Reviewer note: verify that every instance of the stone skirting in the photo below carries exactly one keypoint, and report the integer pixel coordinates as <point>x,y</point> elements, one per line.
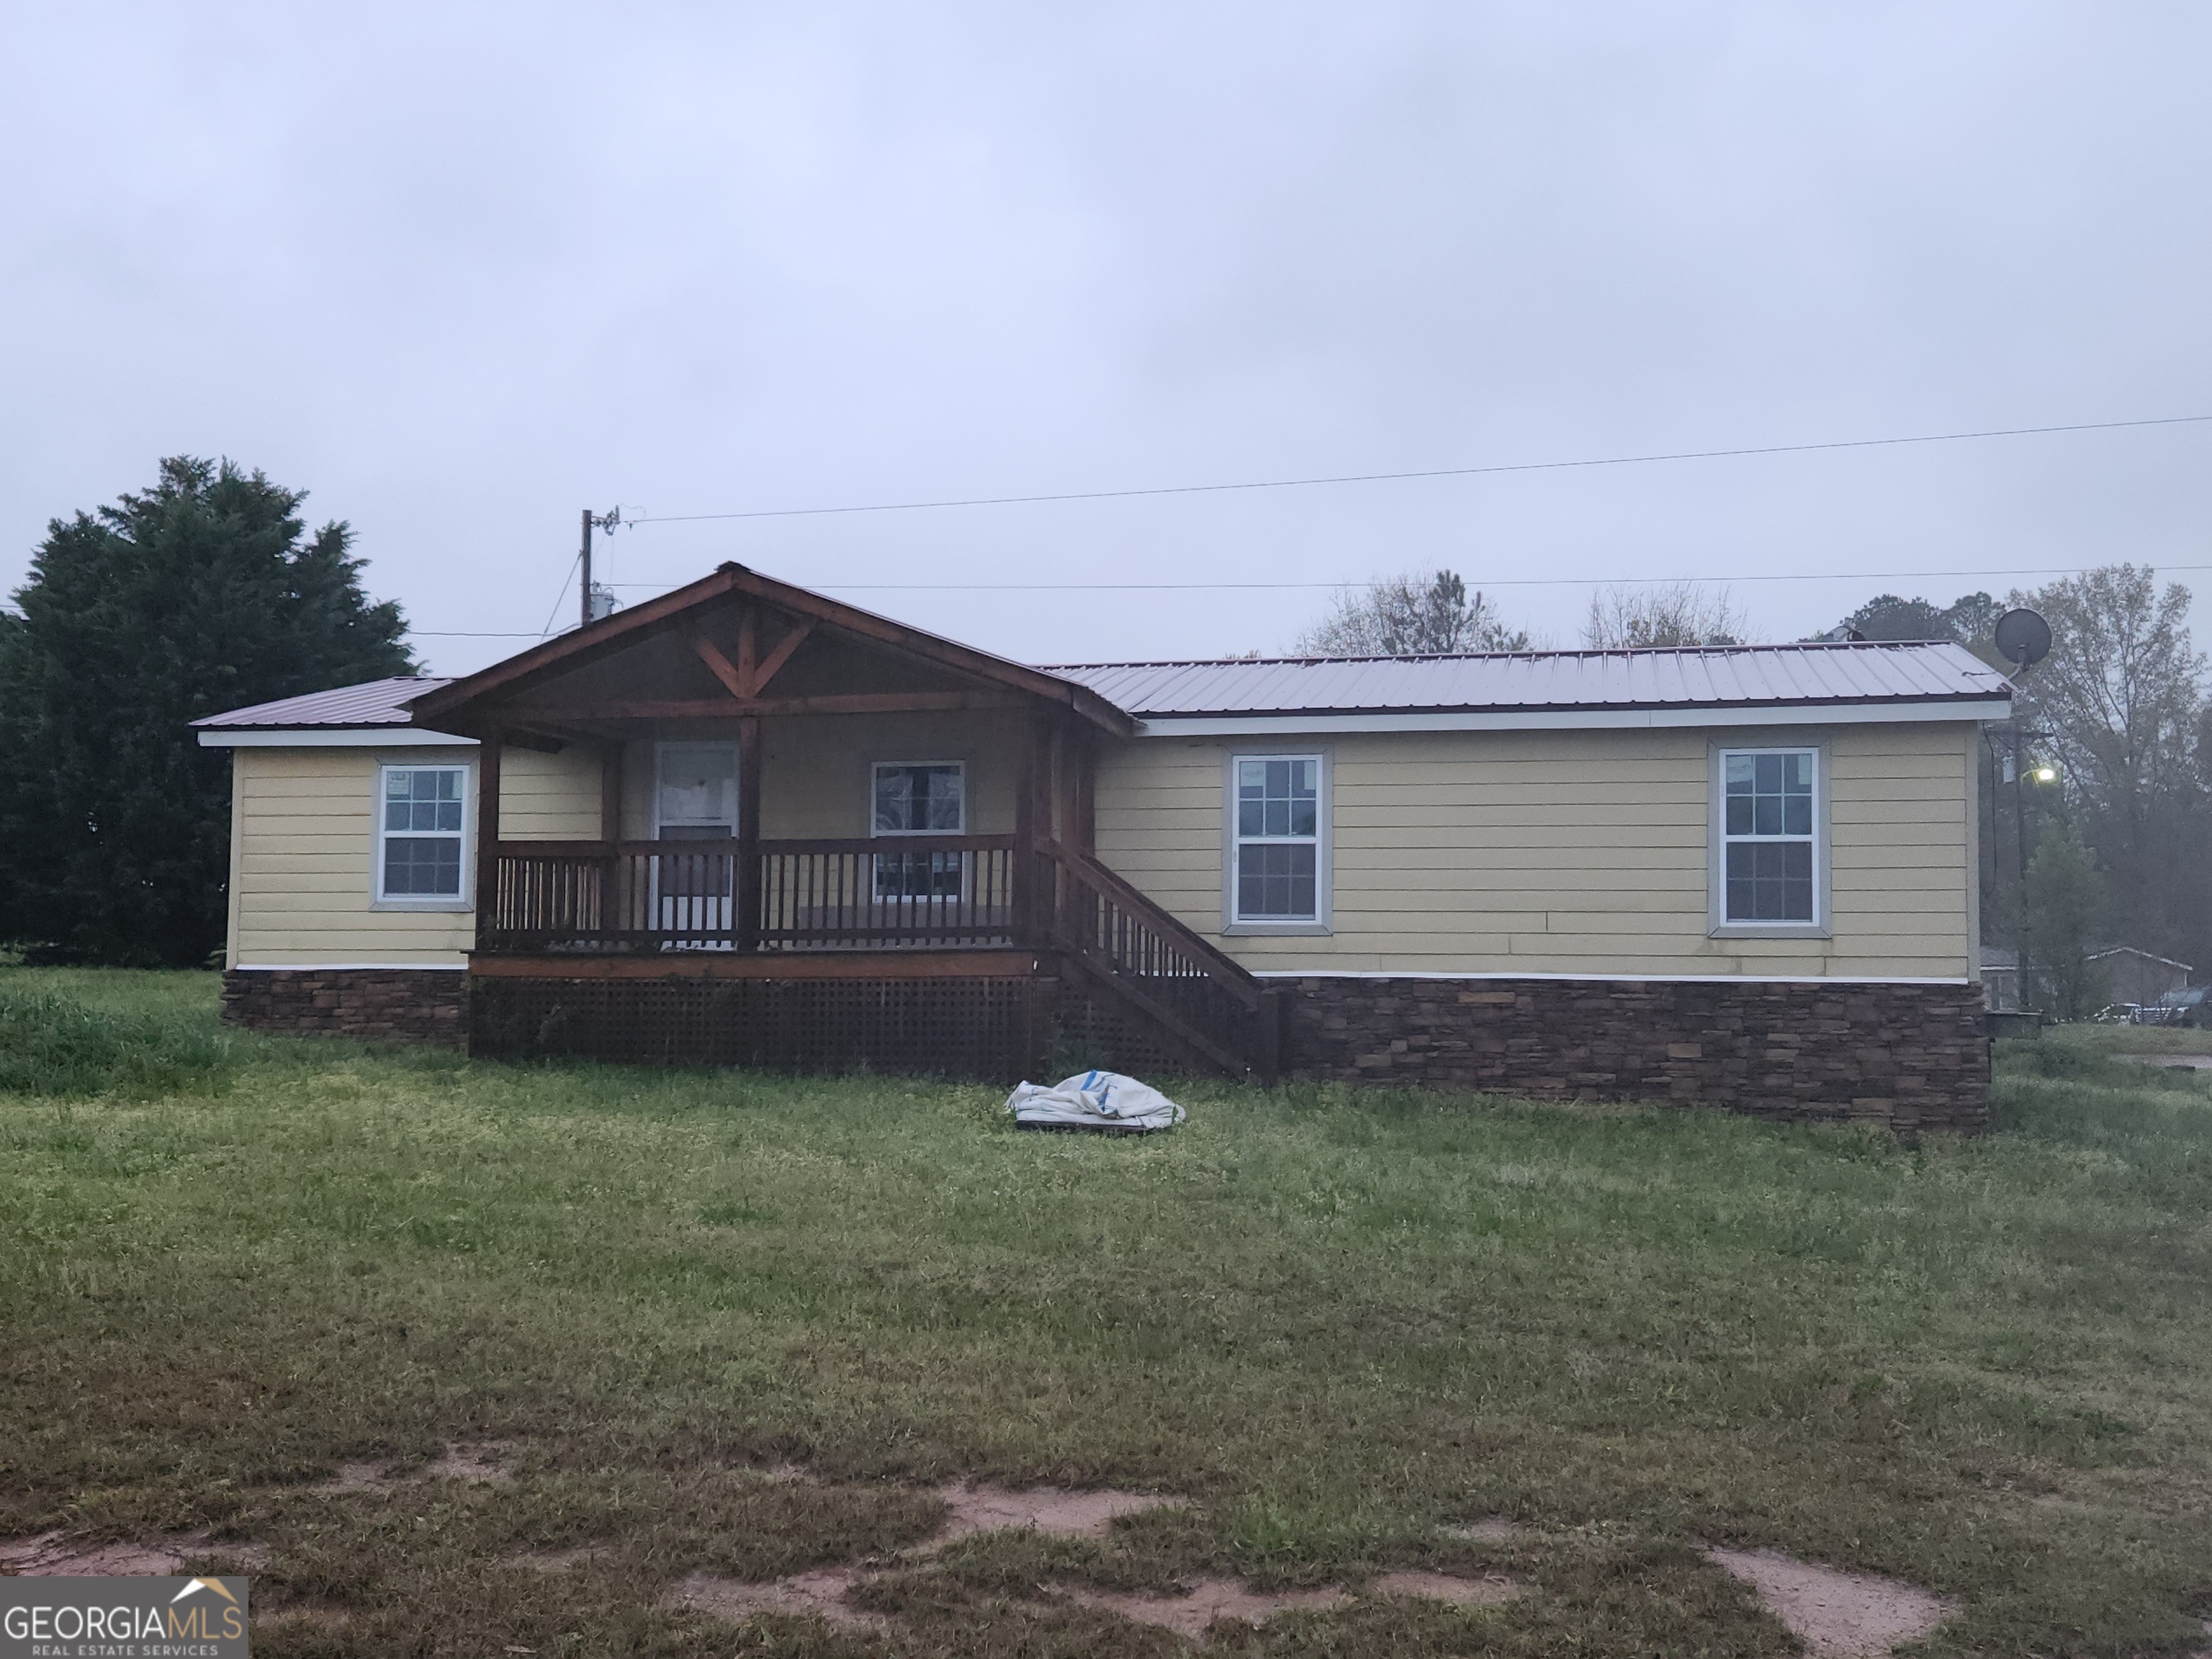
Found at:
<point>1908,1056</point>
<point>415,1004</point>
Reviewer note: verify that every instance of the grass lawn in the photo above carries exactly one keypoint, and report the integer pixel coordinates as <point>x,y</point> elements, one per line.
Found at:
<point>1331,1321</point>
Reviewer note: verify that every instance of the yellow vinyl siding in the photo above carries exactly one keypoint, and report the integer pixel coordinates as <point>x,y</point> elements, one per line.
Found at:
<point>816,771</point>
<point>550,797</point>
<point>1549,852</point>
<point>303,861</point>
<point>303,850</point>
<point>1567,852</point>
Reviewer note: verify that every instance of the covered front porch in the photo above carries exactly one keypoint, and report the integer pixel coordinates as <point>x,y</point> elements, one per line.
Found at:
<point>884,831</point>
<point>781,828</point>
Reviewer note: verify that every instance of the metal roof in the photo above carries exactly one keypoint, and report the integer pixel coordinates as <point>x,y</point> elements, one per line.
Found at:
<point>1699,676</point>
<point>1720,678</point>
<point>373,703</point>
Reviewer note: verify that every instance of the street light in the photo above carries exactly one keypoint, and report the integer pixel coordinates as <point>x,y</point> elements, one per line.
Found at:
<point>2046,775</point>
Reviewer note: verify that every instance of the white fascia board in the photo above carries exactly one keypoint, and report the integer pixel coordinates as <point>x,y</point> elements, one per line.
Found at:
<point>348,737</point>
<point>1613,979</point>
<point>1568,720</point>
<point>350,967</point>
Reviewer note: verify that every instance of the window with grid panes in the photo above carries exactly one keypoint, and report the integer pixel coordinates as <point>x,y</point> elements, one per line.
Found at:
<point>1768,807</point>
<point>420,815</point>
<point>1278,838</point>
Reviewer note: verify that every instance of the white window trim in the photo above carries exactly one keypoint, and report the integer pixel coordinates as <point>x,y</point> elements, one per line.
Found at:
<point>465,899</point>
<point>1718,925</point>
<point>1324,919</point>
<point>876,769</point>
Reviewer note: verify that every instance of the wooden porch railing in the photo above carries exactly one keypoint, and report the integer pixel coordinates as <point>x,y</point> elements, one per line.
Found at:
<point>907,890</point>
<point>1127,945</point>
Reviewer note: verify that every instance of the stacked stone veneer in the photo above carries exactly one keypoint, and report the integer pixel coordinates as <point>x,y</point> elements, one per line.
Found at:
<point>413,1005</point>
<point>1909,1056</point>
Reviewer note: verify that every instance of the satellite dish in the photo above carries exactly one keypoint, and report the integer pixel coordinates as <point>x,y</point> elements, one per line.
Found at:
<point>2023,639</point>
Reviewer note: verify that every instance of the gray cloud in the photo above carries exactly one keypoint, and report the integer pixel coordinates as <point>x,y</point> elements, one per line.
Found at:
<point>462,271</point>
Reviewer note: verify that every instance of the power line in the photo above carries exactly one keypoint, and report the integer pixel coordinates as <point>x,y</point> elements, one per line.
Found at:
<point>1503,581</point>
<point>1431,472</point>
<point>1510,581</point>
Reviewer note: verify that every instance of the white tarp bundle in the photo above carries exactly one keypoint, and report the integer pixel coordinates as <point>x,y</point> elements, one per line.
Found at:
<point>1093,1100</point>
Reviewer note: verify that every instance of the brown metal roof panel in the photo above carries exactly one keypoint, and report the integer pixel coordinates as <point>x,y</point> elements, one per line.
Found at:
<point>1717,677</point>
<point>373,703</point>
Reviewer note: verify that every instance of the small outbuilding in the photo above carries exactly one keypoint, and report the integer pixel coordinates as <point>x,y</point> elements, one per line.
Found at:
<point>2137,976</point>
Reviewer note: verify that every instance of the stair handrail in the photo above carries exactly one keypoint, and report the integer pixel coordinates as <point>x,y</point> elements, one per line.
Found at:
<point>1087,871</point>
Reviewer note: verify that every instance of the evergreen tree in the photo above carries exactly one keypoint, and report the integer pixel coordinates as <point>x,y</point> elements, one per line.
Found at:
<point>200,594</point>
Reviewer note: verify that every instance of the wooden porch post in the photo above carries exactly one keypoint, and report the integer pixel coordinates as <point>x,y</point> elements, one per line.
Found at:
<point>748,871</point>
<point>487,893</point>
<point>610,783</point>
<point>1032,893</point>
<point>1081,831</point>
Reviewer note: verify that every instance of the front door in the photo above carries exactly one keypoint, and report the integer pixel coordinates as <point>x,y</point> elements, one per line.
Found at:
<point>694,797</point>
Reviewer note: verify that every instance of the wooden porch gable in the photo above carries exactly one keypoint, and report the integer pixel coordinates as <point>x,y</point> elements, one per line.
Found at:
<point>737,644</point>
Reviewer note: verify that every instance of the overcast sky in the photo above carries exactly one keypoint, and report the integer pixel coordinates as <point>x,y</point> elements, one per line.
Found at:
<point>462,270</point>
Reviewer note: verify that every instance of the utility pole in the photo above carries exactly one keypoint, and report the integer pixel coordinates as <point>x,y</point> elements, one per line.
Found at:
<point>606,521</point>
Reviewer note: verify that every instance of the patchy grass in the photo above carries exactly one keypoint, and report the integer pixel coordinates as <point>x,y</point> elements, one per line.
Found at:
<point>1333,1322</point>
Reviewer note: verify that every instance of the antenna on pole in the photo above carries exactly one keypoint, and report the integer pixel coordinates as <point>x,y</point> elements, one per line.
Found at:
<point>593,602</point>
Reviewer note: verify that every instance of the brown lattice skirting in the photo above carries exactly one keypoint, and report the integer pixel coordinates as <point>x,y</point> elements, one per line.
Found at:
<point>994,1029</point>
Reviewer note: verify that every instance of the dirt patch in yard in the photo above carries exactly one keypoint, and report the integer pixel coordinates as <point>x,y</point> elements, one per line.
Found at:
<point>978,1508</point>
<point>821,1592</point>
<point>1210,1598</point>
<point>567,1560</point>
<point>1484,1592</point>
<point>56,1554</point>
<point>1849,1614</point>
<point>1491,1529</point>
<point>478,1463</point>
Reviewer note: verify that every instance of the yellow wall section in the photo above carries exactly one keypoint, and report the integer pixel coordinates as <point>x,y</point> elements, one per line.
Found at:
<point>303,851</point>
<point>1553,851</point>
<point>549,797</point>
<point>1568,852</point>
<point>816,771</point>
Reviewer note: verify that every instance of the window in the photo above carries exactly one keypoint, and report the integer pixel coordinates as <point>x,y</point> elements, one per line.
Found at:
<point>1769,843</point>
<point>919,798</point>
<point>1276,873</point>
<point>421,812</point>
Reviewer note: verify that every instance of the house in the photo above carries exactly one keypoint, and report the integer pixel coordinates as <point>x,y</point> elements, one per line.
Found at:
<point>2138,976</point>
<point>746,824</point>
